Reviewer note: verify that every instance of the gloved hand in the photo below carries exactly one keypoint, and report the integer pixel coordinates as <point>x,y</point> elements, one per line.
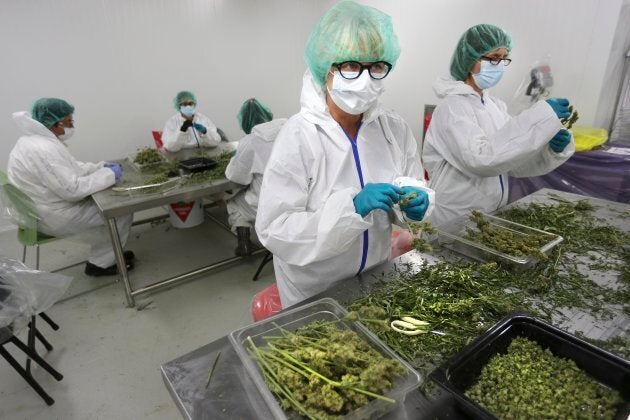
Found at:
<point>116,168</point>
<point>200,128</point>
<point>376,196</point>
<point>560,106</point>
<point>418,202</point>
<point>186,125</point>
<point>560,141</point>
<point>111,164</point>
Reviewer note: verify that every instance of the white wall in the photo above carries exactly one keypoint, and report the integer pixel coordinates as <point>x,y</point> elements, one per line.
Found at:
<point>120,62</point>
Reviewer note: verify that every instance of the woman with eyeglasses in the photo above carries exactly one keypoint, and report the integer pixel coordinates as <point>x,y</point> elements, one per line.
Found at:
<point>327,194</point>
<point>473,143</point>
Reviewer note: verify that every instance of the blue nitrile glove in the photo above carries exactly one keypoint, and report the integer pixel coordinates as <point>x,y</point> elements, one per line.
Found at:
<point>560,106</point>
<point>560,141</point>
<point>116,168</point>
<point>376,196</point>
<point>418,205</point>
<point>200,128</point>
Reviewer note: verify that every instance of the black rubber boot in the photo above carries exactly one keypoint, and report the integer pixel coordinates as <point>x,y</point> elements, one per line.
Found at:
<point>244,247</point>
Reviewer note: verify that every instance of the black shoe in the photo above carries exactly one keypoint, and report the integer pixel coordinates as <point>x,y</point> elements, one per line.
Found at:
<point>245,246</point>
<point>96,271</point>
<point>129,256</point>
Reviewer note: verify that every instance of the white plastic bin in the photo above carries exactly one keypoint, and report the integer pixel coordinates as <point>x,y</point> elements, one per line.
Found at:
<point>186,214</point>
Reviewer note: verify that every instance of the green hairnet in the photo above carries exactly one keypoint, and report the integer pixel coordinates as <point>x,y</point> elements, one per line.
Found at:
<point>183,96</point>
<point>474,43</point>
<point>252,113</point>
<point>349,31</point>
<point>49,111</point>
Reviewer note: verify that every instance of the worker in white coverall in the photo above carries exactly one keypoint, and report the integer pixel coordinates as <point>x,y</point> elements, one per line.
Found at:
<point>188,128</point>
<point>41,166</point>
<point>325,209</point>
<point>473,144</point>
<point>247,167</point>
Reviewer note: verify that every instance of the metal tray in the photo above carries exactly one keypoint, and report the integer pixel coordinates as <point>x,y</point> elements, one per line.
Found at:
<point>197,164</point>
<point>329,310</point>
<point>453,236</point>
<point>462,370</point>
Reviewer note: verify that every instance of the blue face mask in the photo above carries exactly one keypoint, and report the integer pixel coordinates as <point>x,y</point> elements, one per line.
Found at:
<point>489,75</point>
<point>188,110</point>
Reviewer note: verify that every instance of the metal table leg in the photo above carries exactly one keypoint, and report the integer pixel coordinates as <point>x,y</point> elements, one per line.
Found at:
<point>120,261</point>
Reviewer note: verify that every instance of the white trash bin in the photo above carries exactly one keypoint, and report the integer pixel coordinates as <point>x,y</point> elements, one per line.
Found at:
<point>186,214</point>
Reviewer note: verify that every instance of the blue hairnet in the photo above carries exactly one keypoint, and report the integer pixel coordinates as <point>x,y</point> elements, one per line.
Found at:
<point>49,111</point>
<point>474,43</point>
<point>349,31</point>
<point>183,96</point>
<point>252,113</point>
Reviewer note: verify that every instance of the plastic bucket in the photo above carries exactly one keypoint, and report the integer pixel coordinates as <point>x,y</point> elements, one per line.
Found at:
<point>186,214</point>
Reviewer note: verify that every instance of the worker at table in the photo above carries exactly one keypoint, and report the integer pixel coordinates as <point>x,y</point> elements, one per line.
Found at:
<point>473,143</point>
<point>247,167</point>
<point>325,209</point>
<point>43,168</point>
<point>188,128</point>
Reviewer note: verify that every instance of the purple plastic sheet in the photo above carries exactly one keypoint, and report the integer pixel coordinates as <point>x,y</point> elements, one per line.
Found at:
<point>596,173</point>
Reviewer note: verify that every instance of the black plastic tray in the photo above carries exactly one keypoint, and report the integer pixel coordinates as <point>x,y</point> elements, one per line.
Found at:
<point>197,164</point>
<point>463,369</point>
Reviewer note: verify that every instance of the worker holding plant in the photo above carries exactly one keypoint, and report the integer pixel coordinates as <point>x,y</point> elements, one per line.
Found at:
<point>325,209</point>
<point>473,143</point>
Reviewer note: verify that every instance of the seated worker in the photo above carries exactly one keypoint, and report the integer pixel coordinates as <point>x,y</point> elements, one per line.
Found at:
<point>41,166</point>
<point>473,143</point>
<point>247,168</point>
<point>188,128</point>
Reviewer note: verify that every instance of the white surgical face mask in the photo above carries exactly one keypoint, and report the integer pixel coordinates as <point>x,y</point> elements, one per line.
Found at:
<point>188,110</point>
<point>355,96</point>
<point>67,133</point>
<point>489,75</point>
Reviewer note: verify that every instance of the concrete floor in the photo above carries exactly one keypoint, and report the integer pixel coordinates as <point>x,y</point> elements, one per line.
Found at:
<point>110,354</point>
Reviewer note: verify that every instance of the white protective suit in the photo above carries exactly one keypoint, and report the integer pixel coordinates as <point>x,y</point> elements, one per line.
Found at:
<point>175,140</point>
<point>306,215</point>
<point>473,144</point>
<point>247,168</point>
<point>41,166</point>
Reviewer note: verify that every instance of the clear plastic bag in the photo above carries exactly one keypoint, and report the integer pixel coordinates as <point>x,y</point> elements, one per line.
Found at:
<point>537,85</point>
<point>25,293</point>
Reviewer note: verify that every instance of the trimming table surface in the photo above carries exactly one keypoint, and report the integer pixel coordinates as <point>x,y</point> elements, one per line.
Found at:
<point>232,394</point>
<point>112,205</point>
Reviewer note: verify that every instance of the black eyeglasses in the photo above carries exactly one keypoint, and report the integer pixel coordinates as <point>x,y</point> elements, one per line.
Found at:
<point>495,61</point>
<point>353,69</point>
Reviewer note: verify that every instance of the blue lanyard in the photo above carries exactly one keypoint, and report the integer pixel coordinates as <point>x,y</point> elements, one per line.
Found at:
<point>357,162</point>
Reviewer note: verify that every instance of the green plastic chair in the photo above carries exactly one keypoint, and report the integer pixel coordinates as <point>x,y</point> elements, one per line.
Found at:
<point>28,235</point>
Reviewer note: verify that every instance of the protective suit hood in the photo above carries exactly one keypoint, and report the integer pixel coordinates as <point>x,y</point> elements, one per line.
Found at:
<point>314,108</point>
<point>269,130</point>
<point>446,85</point>
<point>29,126</point>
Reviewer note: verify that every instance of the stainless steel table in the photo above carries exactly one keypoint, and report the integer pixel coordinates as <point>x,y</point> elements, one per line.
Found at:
<point>113,205</point>
<point>231,394</point>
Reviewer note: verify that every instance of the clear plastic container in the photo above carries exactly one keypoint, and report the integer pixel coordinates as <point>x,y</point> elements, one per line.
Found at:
<point>453,236</point>
<point>325,309</point>
<point>147,166</point>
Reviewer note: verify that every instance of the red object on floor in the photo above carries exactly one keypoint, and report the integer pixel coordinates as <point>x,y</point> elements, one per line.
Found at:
<point>266,303</point>
<point>400,243</point>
